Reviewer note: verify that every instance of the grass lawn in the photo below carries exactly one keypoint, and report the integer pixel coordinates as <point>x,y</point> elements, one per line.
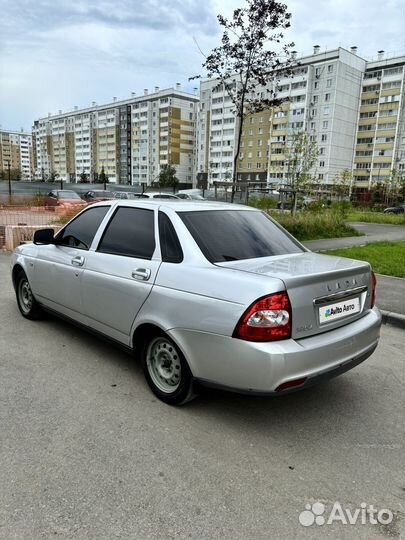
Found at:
<point>385,257</point>
<point>376,217</point>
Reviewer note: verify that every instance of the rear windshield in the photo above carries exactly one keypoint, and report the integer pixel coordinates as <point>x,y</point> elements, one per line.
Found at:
<point>233,235</point>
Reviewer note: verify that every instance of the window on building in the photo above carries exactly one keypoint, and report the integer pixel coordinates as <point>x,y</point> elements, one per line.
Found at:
<point>327,97</point>
<point>330,68</point>
<point>325,124</point>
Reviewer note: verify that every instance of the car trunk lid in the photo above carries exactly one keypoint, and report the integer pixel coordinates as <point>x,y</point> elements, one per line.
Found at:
<point>325,292</point>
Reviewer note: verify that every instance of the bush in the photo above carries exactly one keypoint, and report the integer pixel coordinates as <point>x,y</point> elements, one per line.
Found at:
<point>39,199</point>
<point>341,208</point>
<point>317,206</point>
<point>67,215</point>
<point>311,226</point>
<point>265,203</point>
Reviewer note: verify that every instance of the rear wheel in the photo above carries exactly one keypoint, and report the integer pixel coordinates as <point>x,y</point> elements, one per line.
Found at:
<point>166,370</point>
<point>28,306</point>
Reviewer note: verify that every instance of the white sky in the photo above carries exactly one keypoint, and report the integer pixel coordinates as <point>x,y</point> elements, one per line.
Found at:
<point>55,54</point>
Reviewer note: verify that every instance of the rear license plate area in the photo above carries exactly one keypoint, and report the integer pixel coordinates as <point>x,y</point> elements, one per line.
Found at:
<point>338,310</point>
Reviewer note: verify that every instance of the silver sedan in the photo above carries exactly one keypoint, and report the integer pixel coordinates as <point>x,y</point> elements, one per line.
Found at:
<point>203,293</point>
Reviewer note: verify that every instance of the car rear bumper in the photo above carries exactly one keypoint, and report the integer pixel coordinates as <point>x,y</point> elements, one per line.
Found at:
<point>260,368</point>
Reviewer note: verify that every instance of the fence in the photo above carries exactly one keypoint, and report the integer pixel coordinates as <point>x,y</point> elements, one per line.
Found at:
<point>18,223</point>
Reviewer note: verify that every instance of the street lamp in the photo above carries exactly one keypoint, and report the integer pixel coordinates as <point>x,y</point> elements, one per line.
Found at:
<point>9,178</point>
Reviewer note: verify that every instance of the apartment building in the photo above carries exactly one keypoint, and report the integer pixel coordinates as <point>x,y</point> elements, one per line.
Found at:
<point>16,153</point>
<point>353,109</point>
<point>380,141</point>
<point>130,139</point>
<point>322,98</point>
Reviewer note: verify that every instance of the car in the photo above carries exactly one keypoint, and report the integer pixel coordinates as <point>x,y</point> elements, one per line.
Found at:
<point>190,195</point>
<point>97,195</point>
<point>203,293</point>
<point>63,199</point>
<point>395,209</point>
<point>156,195</point>
<point>126,195</point>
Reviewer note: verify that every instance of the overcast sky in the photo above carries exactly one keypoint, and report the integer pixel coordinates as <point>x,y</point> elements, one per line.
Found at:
<point>59,53</point>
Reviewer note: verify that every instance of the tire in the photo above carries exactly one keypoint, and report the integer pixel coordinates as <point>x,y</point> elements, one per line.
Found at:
<point>166,370</point>
<point>28,306</point>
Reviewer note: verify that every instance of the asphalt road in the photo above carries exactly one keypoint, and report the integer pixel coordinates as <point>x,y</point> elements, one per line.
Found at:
<point>87,452</point>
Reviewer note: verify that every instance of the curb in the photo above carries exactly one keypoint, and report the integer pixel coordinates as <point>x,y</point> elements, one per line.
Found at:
<point>396,319</point>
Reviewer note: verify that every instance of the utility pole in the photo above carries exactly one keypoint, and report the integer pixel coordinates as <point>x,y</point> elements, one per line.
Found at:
<point>9,179</point>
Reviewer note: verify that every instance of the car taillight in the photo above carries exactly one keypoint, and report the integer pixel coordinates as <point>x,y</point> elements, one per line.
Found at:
<point>268,319</point>
<point>374,286</point>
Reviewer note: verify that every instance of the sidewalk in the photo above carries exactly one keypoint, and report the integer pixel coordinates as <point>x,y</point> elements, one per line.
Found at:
<point>373,232</point>
<point>391,294</point>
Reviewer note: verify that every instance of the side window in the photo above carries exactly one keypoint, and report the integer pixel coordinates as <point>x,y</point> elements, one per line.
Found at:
<point>81,231</point>
<point>131,232</point>
<point>169,242</point>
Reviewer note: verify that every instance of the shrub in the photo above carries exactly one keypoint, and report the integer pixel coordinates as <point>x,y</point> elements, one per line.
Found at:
<point>265,203</point>
<point>341,208</point>
<point>311,226</point>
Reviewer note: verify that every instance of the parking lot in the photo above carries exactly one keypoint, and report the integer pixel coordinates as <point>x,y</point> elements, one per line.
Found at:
<point>88,452</point>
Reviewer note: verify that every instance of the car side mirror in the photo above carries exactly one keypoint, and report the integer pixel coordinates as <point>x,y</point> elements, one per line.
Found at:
<point>44,236</point>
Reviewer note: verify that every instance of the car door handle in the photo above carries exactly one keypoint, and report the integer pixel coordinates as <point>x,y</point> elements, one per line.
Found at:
<point>141,273</point>
<point>78,261</point>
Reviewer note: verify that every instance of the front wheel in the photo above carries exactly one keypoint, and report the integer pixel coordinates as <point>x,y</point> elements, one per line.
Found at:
<point>166,370</point>
<point>28,306</point>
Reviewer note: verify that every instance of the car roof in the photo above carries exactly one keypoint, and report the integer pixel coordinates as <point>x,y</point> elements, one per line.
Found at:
<point>178,205</point>
<point>158,193</point>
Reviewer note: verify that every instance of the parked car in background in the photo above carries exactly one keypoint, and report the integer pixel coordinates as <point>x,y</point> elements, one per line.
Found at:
<point>124,195</point>
<point>190,195</point>
<point>98,195</point>
<point>395,209</point>
<point>64,198</point>
<point>203,292</point>
<point>156,195</point>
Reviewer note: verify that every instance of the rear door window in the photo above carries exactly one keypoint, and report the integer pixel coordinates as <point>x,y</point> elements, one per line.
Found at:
<point>169,243</point>
<point>131,233</point>
<point>233,235</point>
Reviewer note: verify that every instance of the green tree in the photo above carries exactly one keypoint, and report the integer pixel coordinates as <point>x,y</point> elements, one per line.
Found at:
<point>167,177</point>
<point>244,62</point>
<point>84,179</point>
<point>342,184</point>
<point>301,154</point>
<point>103,178</point>
<point>394,186</point>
